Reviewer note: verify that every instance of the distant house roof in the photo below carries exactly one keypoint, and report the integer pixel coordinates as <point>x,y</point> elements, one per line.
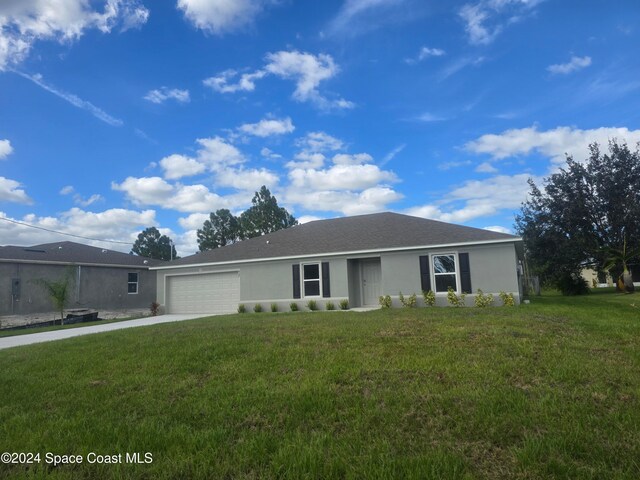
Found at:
<point>73,253</point>
<point>379,231</point>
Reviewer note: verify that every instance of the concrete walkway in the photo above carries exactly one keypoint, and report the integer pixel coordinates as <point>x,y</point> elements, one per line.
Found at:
<point>28,339</point>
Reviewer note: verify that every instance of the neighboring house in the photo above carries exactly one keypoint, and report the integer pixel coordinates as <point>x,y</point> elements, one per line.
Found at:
<point>356,258</point>
<point>604,279</point>
<point>101,279</point>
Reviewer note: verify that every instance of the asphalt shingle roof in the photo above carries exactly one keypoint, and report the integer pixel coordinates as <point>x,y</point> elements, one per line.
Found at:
<point>73,253</point>
<point>348,234</point>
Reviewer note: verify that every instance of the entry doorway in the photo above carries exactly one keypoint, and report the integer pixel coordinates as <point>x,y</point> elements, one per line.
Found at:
<point>371,280</point>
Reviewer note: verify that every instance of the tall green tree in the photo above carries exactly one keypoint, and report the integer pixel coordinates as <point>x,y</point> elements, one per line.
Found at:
<point>582,213</point>
<point>152,244</point>
<point>222,228</point>
<point>265,216</point>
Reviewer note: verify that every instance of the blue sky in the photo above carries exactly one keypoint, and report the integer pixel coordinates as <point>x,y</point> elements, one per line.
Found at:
<point>116,115</point>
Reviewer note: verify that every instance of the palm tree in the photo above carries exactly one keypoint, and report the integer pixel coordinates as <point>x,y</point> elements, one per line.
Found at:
<point>59,292</point>
<point>622,257</point>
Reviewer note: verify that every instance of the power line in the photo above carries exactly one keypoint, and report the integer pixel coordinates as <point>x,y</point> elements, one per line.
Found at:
<point>62,233</point>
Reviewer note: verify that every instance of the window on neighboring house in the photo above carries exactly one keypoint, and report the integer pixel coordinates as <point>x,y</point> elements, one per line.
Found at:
<point>444,272</point>
<point>311,279</point>
<point>132,283</point>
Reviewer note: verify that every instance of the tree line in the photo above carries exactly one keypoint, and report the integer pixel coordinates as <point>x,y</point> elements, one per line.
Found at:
<point>587,215</point>
<point>221,228</point>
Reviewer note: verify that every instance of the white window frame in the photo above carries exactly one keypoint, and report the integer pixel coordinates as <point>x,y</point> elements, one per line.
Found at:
<point>136,283</point>
<point>456,273</point>
<point>303,280</point>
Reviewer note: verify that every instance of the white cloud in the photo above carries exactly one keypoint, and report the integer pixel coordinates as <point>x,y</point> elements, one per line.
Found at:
<point>553,143</point>
<point>357,15</point>
<point>307,160</point>
<point>222,16</point>
<point>499,229</point>
<point>67,190</point>
<point>5,149</point>
<point>74,100</point>
<point>576,63</point>
<point>477,198</point>
<point>220,83</point>
<point>457,65</point>
<point>371,200</point>
<point>24,22</point>
<point>356,159</point>
<point>177,166</point>
<point>265,152</point>
<point>319,142</point>
<point>114,224</point>
<point>250,179</point>
<point>308,218</point>
<point>164,93</point>
<point>340,177</point>
<point>430,117</point>
<point>486,19</point>
<point>217,153</point>
<point>486,167</point>
<point>392,154</point>
<point>268,127</point>
<point>424,53</point>
<point>193,221</point>
<point>305,69</point>
<point>183,198</point>
<point>10,191</point>
<point>308,71</point>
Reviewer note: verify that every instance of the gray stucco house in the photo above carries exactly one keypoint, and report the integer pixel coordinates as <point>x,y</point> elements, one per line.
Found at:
<point>356,258</point>
<point>101,278</point>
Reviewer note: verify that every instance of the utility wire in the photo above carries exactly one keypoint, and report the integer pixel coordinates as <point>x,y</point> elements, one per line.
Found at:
<point>62,233</point>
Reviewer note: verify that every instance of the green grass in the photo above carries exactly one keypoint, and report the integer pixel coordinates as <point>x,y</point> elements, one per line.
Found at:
<point>547,390</point>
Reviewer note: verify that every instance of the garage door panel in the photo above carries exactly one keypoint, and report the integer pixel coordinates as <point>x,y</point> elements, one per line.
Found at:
<point>203,293</point>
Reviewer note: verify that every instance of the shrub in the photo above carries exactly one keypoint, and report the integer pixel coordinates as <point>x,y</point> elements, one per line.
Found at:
<point>154,308</point>
<point>572,284</point>
<point>344,304</point>
<point>455,300</point>
<point>329,306</point>
<point>483,300</point>
<point>293,306</point>
<point>242,308</point>
<point>385,301</point>
<point>274,307</point>
<point>409,302</point>
<point>312,305</point>
<point>507,299</point>
<point>429,298</point>
<point>401,298</point>
<point>257,308</point>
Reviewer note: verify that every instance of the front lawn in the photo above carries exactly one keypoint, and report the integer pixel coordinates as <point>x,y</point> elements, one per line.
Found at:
<point>546,390</point>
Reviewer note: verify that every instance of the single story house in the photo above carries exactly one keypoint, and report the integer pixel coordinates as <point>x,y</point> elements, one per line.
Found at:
<point>100,278</point>
<point>357,258</point>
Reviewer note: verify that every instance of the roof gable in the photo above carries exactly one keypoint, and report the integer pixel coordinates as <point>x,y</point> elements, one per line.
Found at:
<point>378,231</point>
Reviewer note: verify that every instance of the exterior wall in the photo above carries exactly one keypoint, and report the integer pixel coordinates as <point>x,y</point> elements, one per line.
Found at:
<point>493,267</point>
<point>92,287</point>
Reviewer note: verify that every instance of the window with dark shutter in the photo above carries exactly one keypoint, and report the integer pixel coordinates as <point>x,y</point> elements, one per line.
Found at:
<point>465,273</point>
<point>326,283</point>
<point>296,280</point>
<point>425,274</point>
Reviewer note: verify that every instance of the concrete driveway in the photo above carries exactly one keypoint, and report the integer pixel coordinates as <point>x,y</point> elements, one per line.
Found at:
<point>28,339</point>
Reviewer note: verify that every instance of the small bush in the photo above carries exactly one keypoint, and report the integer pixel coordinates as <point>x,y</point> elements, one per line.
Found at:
<point>429,298</point>
<point>401,298</point>
<point>572,284</point>
<point>409,302</point>
<point>455,300</point>
<point>312,305</point>
<point>257,308</point>
<point>329,306</point>
<point>242,308</point>
<point>385,301</point>
<point>293,306</point>
<point>507,299</point>
<point>344,304</point>
<point>274,307</point>
<point>483,300</point>
<point>154,308</point>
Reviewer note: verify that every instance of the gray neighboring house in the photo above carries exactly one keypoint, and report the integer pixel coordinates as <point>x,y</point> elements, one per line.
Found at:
<point>356,258</point>
<point>102,279</point>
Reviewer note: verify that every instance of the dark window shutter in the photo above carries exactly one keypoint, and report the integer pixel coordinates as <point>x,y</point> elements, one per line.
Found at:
<point>465,273</point>
<point>296,280</point>
<point>326,283</point>
<point>425,274</point>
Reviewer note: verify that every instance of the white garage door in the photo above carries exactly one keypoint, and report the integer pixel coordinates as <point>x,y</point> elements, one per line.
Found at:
<point>204,293</point>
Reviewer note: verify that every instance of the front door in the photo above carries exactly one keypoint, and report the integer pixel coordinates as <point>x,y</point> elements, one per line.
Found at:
<point>371,275</point>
